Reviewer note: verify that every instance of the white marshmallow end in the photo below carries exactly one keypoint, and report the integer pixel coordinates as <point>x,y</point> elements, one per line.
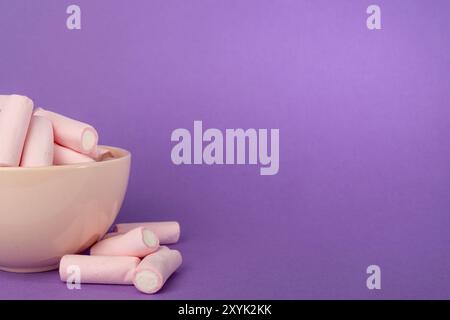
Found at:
<point>147,281</point>
<point>89,140</point>
<point>150,239</point>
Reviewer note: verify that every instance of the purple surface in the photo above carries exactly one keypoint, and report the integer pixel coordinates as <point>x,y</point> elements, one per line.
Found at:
<point>364,120</point>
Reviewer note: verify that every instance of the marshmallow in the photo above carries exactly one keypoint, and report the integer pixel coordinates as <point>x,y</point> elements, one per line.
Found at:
<point>15,115</point>
<point>98,269</point>
<point>138,242</point>
<point>63,156</point>
<point>168,232</point>
<point>101,154</point>
<point>38,148</point>
<point>71,133</point>
<point>155,269</point>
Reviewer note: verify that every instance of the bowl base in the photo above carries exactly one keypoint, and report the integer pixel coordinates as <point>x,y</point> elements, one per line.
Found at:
<point>29,270</point>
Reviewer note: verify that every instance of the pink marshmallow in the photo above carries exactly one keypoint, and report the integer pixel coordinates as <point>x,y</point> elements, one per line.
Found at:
<point>99,269</point>
<point>168,232</point>
<point>15,115</point>
<point>71,133</point>
<point>63,156</point>
<point>154,270</point>
<point>38,148</point>
<point>138,242</point>
<point>101,154</point>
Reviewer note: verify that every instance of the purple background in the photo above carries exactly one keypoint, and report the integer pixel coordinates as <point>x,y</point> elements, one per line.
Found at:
<point>364,120</point>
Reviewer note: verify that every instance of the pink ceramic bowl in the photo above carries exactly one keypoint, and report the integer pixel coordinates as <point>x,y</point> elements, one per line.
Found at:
<point>48,212</point>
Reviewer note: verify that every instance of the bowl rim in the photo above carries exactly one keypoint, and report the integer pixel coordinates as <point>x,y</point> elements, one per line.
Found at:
<point>124,154</point>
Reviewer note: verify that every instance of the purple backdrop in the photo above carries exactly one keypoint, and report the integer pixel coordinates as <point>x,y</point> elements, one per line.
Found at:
<point>364,119</point>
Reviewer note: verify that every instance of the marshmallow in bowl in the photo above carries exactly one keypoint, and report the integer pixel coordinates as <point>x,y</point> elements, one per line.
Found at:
<point>100,154</point>
<point>98,269</point>
<point>15,115</point>
<point>38,148</point>
<point>138,242</point>
<point>77,141</point>
<point>154,270</point>
<point>62,155</point>
<point>71,133</point>
<point>168,232</point>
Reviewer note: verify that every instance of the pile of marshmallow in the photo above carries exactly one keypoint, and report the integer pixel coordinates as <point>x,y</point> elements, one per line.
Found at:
<point>130,255</point>
<point>39,138</point>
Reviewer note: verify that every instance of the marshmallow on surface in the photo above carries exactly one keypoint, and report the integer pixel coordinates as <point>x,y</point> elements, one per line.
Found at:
<point>99,269</point>
<point>168,232</point>
<point>153,271</point>
<point>138,242</point>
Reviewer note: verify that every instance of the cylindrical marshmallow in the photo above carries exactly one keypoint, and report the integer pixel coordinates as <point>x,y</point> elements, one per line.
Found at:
<point>64,155</point>
<point>71,133</point>
<point>138,242</point>
<point>38,148</point>
<point>101,154</point>
<point>168,232</point>
<point>155,269</point>
<point>15,115</point>
<point>98,269</point>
